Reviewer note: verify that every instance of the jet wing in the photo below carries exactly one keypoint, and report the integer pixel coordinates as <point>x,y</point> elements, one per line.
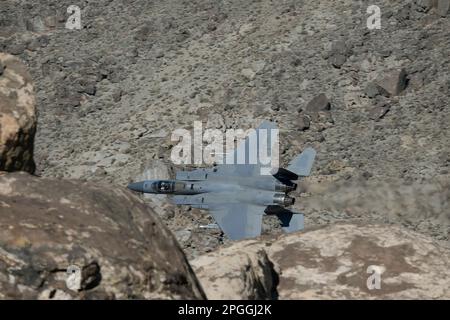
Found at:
<point>245,160</point>
<point>238,220</point>
<point>193,175</point>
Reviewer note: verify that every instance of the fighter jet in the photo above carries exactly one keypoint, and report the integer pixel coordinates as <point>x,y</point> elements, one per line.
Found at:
<point>238,195</point>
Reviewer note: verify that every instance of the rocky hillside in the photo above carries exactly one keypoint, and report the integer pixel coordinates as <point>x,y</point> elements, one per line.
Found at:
<point>374,103</point>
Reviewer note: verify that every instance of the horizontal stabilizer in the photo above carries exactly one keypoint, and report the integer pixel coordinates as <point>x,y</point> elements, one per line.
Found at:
<point>291,221</point>
<point>302,164</point>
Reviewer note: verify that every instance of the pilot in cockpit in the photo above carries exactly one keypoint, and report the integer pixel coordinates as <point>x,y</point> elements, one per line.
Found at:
<point>164,186</point>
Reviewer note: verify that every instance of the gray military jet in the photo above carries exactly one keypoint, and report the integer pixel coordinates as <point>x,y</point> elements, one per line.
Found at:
<point>238,195</point>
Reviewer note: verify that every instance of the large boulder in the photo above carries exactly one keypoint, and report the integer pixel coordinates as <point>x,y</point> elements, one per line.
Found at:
<point>341,261</point>
<point>77,240</point>
<point>17,116</point>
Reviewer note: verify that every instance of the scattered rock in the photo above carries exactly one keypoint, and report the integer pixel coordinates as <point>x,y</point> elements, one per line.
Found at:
<point>371,90</point>
<point>17,49</point>
<point>377,113</point>
<point>117,95</point>
<point>36,24</point>
<point>246,29</point>
<point>33,45</point>
<point>17,116</point>
<point>248,73</point>
<point>318,103</point>
<point>424,5</point>
<point>338,54</point>
<point>393,82</point>
<point>303,123</point>
<point>88,88</point>
<point>339,261</point>
<point>183,236</point>
<point>319,109</point>
<point>338,60</point>
<point>120,247</point>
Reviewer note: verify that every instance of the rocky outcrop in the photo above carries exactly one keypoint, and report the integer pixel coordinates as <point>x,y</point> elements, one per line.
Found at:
<point>72,240</point>
<point>342,261</point>
<point>17,116</point>
<point>237,274</point>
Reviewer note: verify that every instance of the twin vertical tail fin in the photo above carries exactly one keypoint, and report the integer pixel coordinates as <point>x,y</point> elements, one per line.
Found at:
<point>301,165</point>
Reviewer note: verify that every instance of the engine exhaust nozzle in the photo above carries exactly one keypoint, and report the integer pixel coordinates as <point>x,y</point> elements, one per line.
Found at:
<point>283,200</point>
<point>286,188</point>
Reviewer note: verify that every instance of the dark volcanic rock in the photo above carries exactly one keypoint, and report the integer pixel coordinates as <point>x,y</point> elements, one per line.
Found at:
<point>72,240</point>
<point>318,103</point>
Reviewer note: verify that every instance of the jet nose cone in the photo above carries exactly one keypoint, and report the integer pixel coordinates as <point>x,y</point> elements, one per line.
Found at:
<point>136,186</point>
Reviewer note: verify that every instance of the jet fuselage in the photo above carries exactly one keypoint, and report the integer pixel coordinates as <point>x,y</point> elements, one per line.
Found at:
<point>267,191</point>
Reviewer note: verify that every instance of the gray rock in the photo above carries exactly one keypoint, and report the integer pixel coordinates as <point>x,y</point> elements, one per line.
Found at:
<point>318,103</point>
<point>248,73</point>
<point>393,82</point>
<point>183,236</point>
<point>371,90</point>
<point>17,49</point>
<point>86,86</point>
<point>33,45</point>
<point>117,95</point>
<point>36,24</point>
<point>338,60</point>
<point>339,53</point>
<point>303,123</point>
<point>424,5</point>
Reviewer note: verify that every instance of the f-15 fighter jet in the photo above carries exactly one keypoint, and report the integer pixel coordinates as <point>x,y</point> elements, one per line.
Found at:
<point>238,195</point>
